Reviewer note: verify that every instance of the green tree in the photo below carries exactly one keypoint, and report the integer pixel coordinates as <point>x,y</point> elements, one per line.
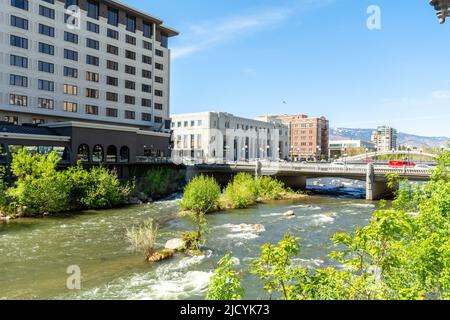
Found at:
<point>225,283</point>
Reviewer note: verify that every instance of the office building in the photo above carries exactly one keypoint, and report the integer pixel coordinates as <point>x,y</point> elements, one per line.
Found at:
<point>385,138</point>
<point>220,136</point>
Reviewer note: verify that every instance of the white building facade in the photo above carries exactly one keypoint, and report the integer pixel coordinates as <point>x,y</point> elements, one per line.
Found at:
<point>219,136</point>
<point>385,138</point>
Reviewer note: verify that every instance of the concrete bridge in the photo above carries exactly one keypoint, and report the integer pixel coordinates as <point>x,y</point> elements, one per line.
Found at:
<point>372,155</point>
<point>294,175</point>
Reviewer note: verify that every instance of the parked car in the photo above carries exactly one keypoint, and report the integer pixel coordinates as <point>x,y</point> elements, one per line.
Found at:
<point>338,164</point>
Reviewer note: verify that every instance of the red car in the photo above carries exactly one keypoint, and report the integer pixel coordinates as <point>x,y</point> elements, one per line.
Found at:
<point>400,163</point>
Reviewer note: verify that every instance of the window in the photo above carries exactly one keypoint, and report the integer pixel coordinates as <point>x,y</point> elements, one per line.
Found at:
<point>112,81</point>
<point>68,3</point>
<point>130,40</point>
<point>146,74</point>
<point>21,4</point>
<point>130,100</point>
<point>70,55</point>
<point>158,106</point>
<point>46,85</point>
<point>92,76</point>
<point>146,103</point>
<point>130,55</point>
<point>38,121</point>
<point>92,93</point>
<point>113,17</point>
<point>158,120</point>
<point>16,80</point>
<point>130,85</point>
<point>124,154</point>
<point>18,100</point>
<point>147,29</point>
<point>159,53</point>
<point>147,45</point>
<point>70,37</point>
<point>112,49</point>
<point>19,22</point>
<point>159,66</point>
<point>93,44</point>
<point>130,70</point>
<point>70,72</point>
<point>92,9</point>
<point>18,61</point>
<point>146,59</point>
<point>112,34</point>
<point>159,93</point>
<point>159,80</point>
<point>93,27</point>
<point>45,103</point>
<point>112,96</point>
<point>130,114</point>
<point>146,88</point>
<point>111,112</point>
<point>97,154</point>
<point>111,154</point>
<point>46,67</point>
<point>112,65</point>
<point>71,89</point>
<point>131,23</point>
<point>83,153</point>
<point>47,12</point>
<point>11,119</point>
<point>46,30</point>
<point>20,42</point>
<point>92,60</point>
<point>70,106</point>
<point>91,109</point>
<point>47,49</point>
<point>146,117</point>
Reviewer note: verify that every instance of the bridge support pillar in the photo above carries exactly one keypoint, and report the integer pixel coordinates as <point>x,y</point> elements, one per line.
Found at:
<point>191,173</point>
<point>376,190</point>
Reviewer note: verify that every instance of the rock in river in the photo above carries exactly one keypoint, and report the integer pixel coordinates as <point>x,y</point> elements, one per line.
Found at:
<point>289,213</point>
<point>175,244</point>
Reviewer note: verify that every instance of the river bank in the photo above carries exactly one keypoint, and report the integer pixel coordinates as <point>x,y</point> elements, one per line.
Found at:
<point>35,253</point>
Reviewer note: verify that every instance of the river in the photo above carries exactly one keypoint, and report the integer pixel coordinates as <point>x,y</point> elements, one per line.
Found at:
<point>35,253</point>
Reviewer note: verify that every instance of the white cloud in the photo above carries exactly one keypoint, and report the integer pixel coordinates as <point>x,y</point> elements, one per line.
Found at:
<point>441,94</point>
<point>207,34</point>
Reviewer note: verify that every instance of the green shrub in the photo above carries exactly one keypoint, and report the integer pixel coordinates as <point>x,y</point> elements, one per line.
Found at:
<point>270,189</point>
<point>40,188</point>
<point>241,192</point>
<point>160,182</point>
<point>225,283</point>
<point>201,195</point>
<point>102,189</point>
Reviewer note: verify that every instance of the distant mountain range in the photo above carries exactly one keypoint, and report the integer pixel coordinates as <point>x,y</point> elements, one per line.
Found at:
<point>404,139</point>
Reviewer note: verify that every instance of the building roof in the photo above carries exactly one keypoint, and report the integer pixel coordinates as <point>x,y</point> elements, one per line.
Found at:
<point>6,127</point>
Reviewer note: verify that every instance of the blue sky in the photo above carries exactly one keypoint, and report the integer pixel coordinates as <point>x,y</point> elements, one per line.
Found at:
<point>248,56</point>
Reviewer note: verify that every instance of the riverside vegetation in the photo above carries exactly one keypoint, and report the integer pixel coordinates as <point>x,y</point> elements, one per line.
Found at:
<point>402,254</point>
<point>40,188</point>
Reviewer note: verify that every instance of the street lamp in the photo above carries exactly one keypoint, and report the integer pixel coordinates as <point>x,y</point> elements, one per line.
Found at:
<point>319,149</point>
<point>367,159</point>
<point>442,9</point>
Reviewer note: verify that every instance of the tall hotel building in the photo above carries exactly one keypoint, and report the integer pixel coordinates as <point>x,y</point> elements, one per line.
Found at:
<point>90,78</point>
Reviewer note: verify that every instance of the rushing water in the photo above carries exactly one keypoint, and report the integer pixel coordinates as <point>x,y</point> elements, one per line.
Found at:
<point>35,253</point>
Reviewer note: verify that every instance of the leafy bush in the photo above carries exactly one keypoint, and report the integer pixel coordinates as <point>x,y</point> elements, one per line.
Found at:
<point>143,237</point>
<point>201,195</point>
<point>269,188</point>
<point>241,192</point>
<point>97,189</point>
<point>160,182</point>
<point>225,283</point>
<point>40,188</point>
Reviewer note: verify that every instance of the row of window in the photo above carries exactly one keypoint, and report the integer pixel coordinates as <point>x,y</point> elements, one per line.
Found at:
<point>46,85</point>
<point>44,103</point>
<point>186,123</point>
<point>21,42</point>
<point>93,12</point>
